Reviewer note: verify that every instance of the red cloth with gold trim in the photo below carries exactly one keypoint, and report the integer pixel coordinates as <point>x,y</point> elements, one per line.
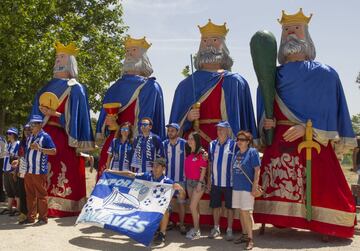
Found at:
<point>283,173</point>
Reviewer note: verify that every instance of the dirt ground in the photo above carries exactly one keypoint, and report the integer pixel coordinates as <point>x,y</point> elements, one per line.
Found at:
<point>61,234</point>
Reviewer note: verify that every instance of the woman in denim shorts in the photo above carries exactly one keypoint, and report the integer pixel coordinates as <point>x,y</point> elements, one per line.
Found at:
<point>195,170</point>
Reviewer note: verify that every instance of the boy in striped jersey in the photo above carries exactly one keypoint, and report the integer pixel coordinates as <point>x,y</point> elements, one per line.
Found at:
<point>221,152</point>
<point>174,151</point>
<point>39,146</point>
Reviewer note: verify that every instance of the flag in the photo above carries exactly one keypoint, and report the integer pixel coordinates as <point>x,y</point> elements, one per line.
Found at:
<point>128,206</point>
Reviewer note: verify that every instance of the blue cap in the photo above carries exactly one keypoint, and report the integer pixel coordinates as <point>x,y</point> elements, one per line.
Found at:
<point>224,124</point>
<point>173,125</point>
<point>36,119</point>
<point>13,130</point>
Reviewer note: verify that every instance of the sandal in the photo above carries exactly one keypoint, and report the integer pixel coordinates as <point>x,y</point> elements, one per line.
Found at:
<point>249,245</point>
<point>5,211</point>
<point>243,238</point>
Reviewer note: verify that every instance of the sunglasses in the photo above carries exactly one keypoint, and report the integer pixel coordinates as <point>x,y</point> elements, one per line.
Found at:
<point>10,133</point>
<point>242,139</point>
<point>144,124</point>
<point>125,129</point>
<point>35,124</point>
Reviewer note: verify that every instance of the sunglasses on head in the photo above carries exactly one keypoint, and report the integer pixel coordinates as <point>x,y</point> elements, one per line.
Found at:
<point>242,139</point>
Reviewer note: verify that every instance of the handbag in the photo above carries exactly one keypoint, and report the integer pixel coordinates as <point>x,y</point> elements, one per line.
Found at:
<point>259,190</point>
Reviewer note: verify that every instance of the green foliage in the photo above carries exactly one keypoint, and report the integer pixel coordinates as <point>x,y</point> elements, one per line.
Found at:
<point>186,71</point>
<point>355,120</point>
<point>28,30</point>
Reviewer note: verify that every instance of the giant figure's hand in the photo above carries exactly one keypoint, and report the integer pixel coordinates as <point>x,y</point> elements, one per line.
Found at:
<point>269,123</point>
<point>193,114</point>
<point>294,132</point>
<point>111,121</point>
<point>48,111</point>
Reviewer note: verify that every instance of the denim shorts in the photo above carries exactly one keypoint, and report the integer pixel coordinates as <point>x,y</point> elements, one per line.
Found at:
<point>192,184</point>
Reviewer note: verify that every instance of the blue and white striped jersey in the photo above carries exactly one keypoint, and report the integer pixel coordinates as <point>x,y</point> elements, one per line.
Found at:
<point>175,159</point>
<point>37,161</point>
<point>220,157</point>
<point>12,150</point>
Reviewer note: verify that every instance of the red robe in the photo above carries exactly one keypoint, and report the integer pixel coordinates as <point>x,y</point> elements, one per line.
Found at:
<point>283,178</point>
<point>66,176</point>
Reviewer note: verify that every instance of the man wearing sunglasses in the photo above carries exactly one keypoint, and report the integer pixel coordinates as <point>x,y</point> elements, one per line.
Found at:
<point>147,147</point>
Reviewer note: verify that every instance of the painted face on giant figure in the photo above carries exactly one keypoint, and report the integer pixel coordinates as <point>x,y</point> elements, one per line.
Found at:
<point>136,60</point>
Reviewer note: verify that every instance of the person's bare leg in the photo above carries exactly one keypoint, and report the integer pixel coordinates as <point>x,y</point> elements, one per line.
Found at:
<point>164,222</point>
<point>10,203</point>
<point>216,216</point>
<point>194,208</point>
<point>17,199</point>
<point>230,218</point>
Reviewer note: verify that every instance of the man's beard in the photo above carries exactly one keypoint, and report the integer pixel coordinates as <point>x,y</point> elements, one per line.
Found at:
<point>133,65</point>
<point>210,55</point>
<point>294,45</point>
<point>172,136</point>
<point>60,68</point>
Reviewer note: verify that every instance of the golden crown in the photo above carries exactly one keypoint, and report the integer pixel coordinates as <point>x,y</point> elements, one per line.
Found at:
<point>211,29</point>
<point>298,18</point>
<point>133,42</point>
<point>69,49</point>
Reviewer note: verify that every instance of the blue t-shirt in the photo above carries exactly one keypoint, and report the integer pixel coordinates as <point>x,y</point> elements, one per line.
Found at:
<point>248,161</point>
<point>148,176</point>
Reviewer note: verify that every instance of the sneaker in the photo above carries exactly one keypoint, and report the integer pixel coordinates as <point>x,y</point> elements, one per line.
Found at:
<point>193,234</point>
<point>40,223</point>
<point>215,232</point>
<point>22,217</point>
<point>25,222</point>
<point>229,235</point>
<point>159,238</point>
<point>182,229</point>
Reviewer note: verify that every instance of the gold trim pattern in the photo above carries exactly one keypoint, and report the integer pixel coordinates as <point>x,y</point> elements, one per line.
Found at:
<point>292,209</point>
<point>66,205</point>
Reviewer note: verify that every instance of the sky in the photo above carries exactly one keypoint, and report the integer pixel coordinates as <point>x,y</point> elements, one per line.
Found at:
<point>172,28</point>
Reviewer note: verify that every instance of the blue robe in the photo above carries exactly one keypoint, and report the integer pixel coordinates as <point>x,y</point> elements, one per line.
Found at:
<point>311,90</point>
<point>76,121</point>
<point>237,95</point>
<point>150,100</point>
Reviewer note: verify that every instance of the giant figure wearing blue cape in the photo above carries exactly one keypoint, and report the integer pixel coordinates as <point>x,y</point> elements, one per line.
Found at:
<point>147,94</point>
<point>236,105</point>
<point>76,116</point>
<point>311,90</point>
<point>305,188</point>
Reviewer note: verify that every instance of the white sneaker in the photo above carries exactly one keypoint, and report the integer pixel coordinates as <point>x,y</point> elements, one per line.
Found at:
<point>192,234</point>
<point>229,235</point>
<point>215,232</point>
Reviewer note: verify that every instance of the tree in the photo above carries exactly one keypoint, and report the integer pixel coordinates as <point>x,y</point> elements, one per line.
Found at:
<point>355,120</point>
<point>28,31</point>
